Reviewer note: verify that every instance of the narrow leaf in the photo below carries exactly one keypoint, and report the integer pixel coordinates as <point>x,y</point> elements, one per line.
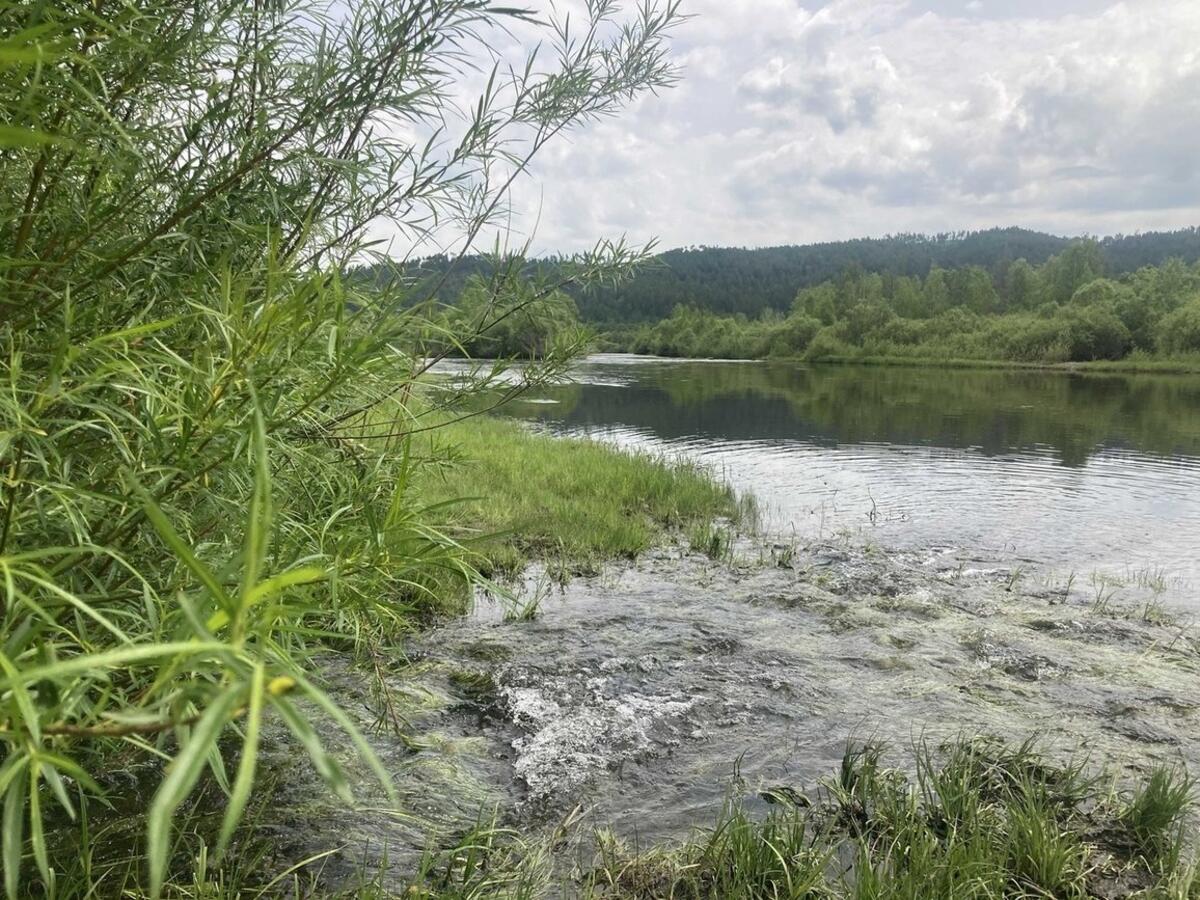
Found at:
<point>245,777</point>
<point>181,777</point>
<point>172,539</point>
<point>269,588</point>
<point>13,838</point>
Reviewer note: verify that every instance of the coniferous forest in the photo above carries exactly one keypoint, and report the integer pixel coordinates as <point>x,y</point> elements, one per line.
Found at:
<point>1002,294</point>
<point>750,281</point>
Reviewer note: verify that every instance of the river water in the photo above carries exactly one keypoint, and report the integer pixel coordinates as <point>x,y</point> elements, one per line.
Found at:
<point>946,552</point>
<point>1081,472</point>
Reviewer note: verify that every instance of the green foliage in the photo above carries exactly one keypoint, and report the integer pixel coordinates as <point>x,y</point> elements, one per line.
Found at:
<point>575,502</point>
<point>730,280</point>
<point>1154,815</point>
<point>690,332</point>
<point>792,336</point>
<point>979,820</point>
<point>1179,331</point>
<point>1074,334</point>
<point>205,432</point>
<point>1060,312</point>
<point>1095,332</point>
<point>1062,275</point>
<point>542,323</point>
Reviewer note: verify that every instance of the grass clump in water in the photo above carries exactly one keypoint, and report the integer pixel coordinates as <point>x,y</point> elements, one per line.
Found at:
<point>573,502</point>
<point>712,539</point>
<point>1154,815</point>
<point>488,861</point>
<point>979,819</point>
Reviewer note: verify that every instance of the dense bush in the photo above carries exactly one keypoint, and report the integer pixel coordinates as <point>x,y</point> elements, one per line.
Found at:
<point>1061,312</point>
<point>1032,339</point>
<point>1093,333</point>
<point>864,320</point>
<point>692,333</point>
<point>1179,331</point>
<point>826,345</point>
<point>791,336</point>
<point>205,430</point>
<point>542,322</point>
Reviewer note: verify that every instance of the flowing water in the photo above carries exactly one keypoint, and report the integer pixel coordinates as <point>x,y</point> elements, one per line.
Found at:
<point>917,584</point>
<point>1072,471</point>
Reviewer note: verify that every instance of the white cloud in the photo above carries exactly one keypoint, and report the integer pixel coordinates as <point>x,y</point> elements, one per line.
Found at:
<point>796,123</point>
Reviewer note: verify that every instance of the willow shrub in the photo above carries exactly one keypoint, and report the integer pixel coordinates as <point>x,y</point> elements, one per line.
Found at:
<point>197,482</point>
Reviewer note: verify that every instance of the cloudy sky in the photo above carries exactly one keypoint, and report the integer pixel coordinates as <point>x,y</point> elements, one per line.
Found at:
<point>799,121</point>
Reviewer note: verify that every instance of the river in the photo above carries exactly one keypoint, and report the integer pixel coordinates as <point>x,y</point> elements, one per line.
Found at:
<point>1070,471</point>
<point>945,552</point>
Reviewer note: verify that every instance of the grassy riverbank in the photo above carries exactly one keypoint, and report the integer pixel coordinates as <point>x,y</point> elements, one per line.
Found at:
<point>1136,364</point>
<point>511,497</point>
<point>516,496</point>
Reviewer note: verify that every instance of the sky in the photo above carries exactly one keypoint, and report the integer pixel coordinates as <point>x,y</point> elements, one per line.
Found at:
<point>797,122</point>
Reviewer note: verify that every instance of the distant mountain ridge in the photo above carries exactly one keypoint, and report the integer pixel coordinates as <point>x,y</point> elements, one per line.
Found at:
<point>729,280</point>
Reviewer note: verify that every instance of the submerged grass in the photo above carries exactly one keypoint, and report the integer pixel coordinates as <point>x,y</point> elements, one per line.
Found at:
<point>976,819</point>
<point>980,819</point>
<point>571,502</point>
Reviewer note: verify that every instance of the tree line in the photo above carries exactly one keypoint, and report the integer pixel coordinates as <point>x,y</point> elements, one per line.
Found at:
<point>1072,307</point>
<point>731,280</point>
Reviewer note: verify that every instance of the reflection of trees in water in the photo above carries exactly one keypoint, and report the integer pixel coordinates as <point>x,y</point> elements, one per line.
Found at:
<point>993,411</point>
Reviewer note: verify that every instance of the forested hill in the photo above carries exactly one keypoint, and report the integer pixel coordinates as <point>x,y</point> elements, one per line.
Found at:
<point>737,280</point>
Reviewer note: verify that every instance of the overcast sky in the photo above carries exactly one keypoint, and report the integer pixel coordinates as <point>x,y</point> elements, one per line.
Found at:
<point>799,121</point>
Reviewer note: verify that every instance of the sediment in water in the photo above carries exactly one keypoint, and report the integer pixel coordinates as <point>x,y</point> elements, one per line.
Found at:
<point>642,698</point>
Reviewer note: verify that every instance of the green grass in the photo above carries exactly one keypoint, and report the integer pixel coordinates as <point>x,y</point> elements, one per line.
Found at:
<point>976,819</point>
<point>1154,813</point>
<point>980,819</point>
<point>197,489</point>
<point>711,539</point>
<point>1135,364</point>
<point>573,503</point>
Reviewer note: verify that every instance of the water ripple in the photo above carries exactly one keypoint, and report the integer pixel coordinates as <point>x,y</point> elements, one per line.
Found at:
<point>1084,499</point>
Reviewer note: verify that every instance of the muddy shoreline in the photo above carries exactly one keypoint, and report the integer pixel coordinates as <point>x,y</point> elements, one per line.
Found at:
<point>642,699</point>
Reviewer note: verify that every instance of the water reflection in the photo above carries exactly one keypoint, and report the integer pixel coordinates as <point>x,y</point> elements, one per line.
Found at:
<point>1079,471</point>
